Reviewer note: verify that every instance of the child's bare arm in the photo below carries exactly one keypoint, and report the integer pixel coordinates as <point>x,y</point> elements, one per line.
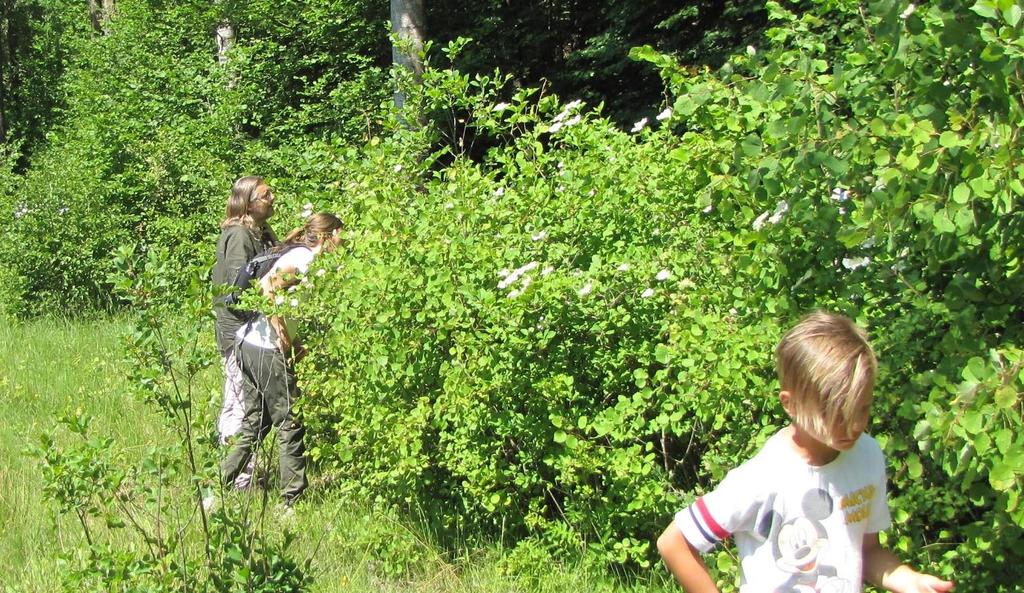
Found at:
<point>271,285</point>
<point>883,568</point>
<point>684,562</point>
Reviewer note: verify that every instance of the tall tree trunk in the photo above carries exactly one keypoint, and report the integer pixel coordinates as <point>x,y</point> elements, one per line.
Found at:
<point>5,67</point>
<point>225,35</point>
<point>225,40</point>
<point>100,12</point>
<point>408,24</point>
<point>94,16</point>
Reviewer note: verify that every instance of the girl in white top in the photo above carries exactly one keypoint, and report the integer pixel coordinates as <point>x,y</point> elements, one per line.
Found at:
<point>266,350</point>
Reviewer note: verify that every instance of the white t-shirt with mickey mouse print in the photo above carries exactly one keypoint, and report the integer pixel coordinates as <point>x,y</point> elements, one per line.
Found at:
<point>798,527</point>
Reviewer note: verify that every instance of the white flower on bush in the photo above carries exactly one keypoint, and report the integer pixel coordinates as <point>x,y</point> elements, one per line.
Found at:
<point>623,267</point>
<point>758,223</point>
<point>840,194</point>
<point>500,106</point>
<point>639,125</point>
<point>321,272</point>
<point>667,113</point>
<point>663,275</point>
<point>539,236</point>
<point>573,120</point>
<point>449,206</point>
<point>781,208</point>
<point>557,122</point>
<point>751,50</point>
<point>707,209</point>
<point>567,109</point>
<point>398,167</point>
<point>22,210</point>
<point>647,293</point>
<point>771,217</point>
<point>909,10</point>
<point>586,288</point>
<point>733,312</point>
<point>514,275</point>
<point>63,211</point>
<point>514,293</point>
<point>853,263</point>
<point>279,299</point>
<point>294,302</point>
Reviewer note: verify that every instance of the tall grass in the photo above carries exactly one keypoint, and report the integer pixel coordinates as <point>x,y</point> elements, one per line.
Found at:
<point>46,369</point>
<point>51,367</point>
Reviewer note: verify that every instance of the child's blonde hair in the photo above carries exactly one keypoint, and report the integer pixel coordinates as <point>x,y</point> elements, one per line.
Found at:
<point>827,365</point>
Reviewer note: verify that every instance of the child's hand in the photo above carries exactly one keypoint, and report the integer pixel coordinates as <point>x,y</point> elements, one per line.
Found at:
<point>926,583</point>
<point>911,581</point>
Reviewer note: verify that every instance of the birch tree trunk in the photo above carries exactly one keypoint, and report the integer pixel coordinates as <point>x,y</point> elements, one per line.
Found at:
<point>100,12</point>
<point>407,23</point>
<point>225,40</point>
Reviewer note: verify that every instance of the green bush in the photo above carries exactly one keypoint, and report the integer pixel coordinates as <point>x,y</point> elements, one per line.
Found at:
<point>489,347</point>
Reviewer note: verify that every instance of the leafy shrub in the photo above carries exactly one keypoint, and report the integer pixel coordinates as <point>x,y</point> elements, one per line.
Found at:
<point>562,400</point>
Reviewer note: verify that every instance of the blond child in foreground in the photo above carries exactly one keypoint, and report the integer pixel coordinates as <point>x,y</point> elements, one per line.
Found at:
<point>806,510</point>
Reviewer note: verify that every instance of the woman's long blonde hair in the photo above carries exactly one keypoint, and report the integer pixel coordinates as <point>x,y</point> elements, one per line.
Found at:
<point>243,192</point>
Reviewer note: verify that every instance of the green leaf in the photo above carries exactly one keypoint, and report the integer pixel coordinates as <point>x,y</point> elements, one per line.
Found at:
<point>751,146</point>
<point>942,222</point>
<point>972,421</point>
<point>992,53</point>
<point>1006,396</point>
<point>961,194</point>
<point>1003,438</point>
<point>662,353</point>
<point>560,436</point>
<point>1001,476</point>
<point>838,167</point>
<point>949,139</point>
<point>964,221</point>
<point>852,237</point>
<point>976,370</point>
<point>914,466</point>
<point>985,9</point>
<point>1012,15</point>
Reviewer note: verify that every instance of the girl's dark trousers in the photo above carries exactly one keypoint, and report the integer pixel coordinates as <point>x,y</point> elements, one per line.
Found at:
<point>270,390</point>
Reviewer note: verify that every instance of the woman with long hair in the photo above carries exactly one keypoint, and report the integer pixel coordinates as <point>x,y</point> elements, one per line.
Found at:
<point>244,233</point>
<point>266,348</point>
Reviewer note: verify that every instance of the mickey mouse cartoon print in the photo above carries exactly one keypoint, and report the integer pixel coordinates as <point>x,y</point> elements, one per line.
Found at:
<point>798,546</point>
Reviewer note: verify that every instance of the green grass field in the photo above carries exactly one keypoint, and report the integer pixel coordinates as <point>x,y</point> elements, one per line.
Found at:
<point>49,368</point>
